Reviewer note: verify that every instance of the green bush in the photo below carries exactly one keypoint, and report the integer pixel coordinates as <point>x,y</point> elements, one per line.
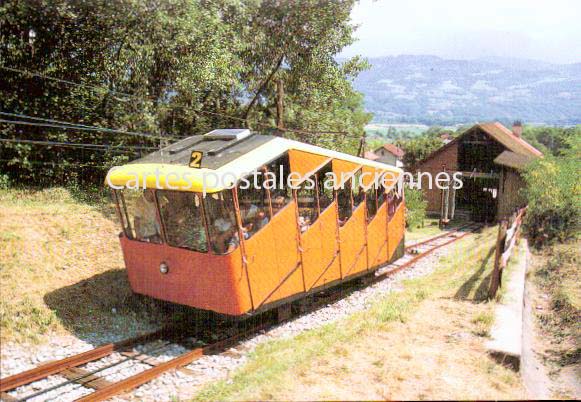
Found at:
<point>4,181</point>
<point>553,192</point>
<point>415,207</point>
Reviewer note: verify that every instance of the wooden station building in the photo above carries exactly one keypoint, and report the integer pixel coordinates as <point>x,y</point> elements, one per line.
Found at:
<point>490,158</point>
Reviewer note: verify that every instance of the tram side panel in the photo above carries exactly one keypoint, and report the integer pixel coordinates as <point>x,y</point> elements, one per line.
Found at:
<point>273,260</point>
<point>396,232</point>
<point>329,239</point>
<point>320,250</point>
<point>377,247</point>
<point>287,254</point>
<point>352,243</point>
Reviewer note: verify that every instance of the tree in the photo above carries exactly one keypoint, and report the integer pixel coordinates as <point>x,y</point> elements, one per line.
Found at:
<point>170,69</point>
<point>418,148</point>
<point>553,140</point>
<point>296,43</point>
<point>553,192</point>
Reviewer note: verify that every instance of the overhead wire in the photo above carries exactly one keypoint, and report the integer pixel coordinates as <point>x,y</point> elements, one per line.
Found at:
<point>60,163</point>
<point>76,126</point>
<point>100,147</point>
<point>77,145</point>
<point>264,125</point>
<point>71,126</point>
<point>298,131</point>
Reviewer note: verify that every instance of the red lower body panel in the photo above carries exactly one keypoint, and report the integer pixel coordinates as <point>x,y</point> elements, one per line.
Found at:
<point>205,281</point>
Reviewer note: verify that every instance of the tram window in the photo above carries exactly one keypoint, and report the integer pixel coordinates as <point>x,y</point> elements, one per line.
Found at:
<point>358,197</point>
<point>380,195</point>
<point>122,212</point>
<point>344,202</point>
<point>398,194</point>
<point>371,202</point>
<point>281,195</point>
<point>325,186</point>
<point>391,203</point>
<point>141,222</point>
<point>307,204</point>
<point>181,214</point>
<point>254,206</point>
<point>221,221</point>
<point>358,193</point>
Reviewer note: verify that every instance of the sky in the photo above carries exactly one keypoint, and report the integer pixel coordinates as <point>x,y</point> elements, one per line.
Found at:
<point>547,30</point>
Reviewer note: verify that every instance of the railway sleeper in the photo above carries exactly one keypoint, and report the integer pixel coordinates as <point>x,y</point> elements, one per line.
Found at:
<point>85,378</point>
<point>153,362</point>
<point>137,356</point>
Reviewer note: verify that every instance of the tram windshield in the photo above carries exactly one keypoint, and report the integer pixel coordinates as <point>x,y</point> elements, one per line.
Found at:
<point>139,215</point>
<point>183,220</point>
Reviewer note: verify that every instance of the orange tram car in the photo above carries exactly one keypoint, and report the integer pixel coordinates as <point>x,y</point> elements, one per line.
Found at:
<point>196,233</point>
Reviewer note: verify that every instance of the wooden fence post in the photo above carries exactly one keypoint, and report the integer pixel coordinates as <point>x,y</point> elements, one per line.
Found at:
<point>495,279</point>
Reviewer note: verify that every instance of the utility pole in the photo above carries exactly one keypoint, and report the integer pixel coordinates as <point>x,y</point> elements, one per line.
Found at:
<point>362,145</point>
<point>279,105</point>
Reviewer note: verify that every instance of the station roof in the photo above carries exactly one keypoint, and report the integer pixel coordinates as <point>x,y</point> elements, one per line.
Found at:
<point>513,160</point>
<point>513,144</point>
<point>507,138</point>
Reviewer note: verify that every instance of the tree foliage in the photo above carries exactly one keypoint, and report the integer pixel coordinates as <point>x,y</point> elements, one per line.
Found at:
<point>416,205</point>
<point>552,140</point>
<point>553,192</point>
<point>170,68</point>
<point>416,149</point>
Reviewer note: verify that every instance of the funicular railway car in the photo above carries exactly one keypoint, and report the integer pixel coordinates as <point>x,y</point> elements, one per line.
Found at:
<point>203,229</point>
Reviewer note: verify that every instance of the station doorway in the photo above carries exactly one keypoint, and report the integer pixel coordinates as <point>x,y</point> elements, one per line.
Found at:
<point>478,198</point>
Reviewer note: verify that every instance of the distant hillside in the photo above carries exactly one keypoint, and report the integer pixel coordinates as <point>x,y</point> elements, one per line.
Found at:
<point>431,90</point>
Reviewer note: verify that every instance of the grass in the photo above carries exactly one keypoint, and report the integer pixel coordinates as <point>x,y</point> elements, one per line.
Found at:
<point>425,342</point>
<point>483,321</point>
<point>558,275</point>
<point>428,229</point>
<point>62,269</point>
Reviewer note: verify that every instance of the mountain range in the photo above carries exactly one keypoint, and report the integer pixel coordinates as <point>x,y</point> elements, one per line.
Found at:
<point>432,90</point>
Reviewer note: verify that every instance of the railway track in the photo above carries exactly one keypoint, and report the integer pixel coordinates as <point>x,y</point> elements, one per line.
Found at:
<point>142,350</point>
<point>424,248</point>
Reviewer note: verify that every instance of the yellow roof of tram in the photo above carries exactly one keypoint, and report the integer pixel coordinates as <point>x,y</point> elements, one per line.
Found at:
<point>171,176</point>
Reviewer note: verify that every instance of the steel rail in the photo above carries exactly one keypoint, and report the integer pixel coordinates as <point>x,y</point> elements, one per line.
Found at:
<point>422,242</point>
<point>79,379</point>
<point>47,369</point>
<point>417,257</point>
<point>180,361</point>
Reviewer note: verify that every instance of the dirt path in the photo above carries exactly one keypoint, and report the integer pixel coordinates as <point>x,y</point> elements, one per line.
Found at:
<point>437,354</point>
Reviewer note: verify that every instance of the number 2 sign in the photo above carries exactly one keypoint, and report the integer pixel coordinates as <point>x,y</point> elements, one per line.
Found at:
<point>196,159</point>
